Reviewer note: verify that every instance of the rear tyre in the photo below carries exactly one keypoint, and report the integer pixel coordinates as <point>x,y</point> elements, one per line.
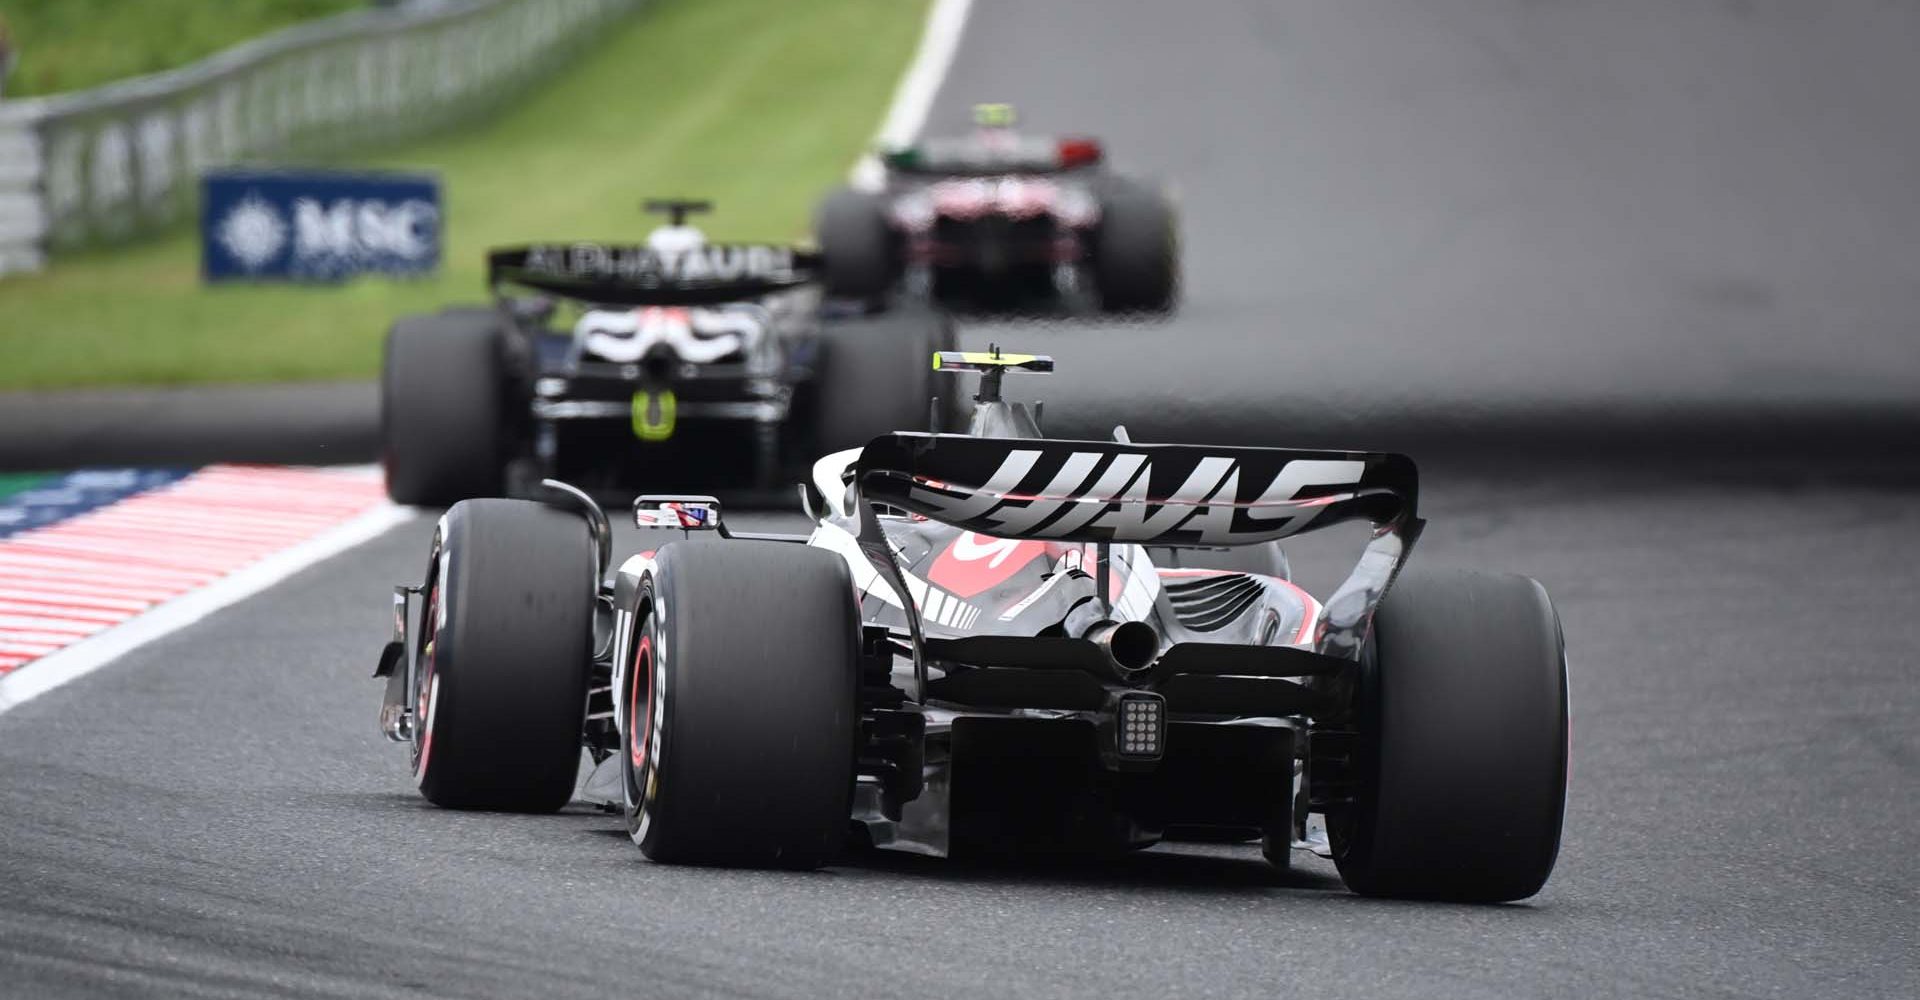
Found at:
<point>860,254</point>
<point>1461,761</point>
<point>1265,558</point>
<point>738,730</point>
<point>441,390</point>
<point>877,377</point>
<point>503,682</point>
<point>1136,249</point>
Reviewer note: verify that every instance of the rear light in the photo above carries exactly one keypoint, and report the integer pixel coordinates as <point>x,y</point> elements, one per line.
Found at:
<point>1141,725</point>
<point>1079,152</point>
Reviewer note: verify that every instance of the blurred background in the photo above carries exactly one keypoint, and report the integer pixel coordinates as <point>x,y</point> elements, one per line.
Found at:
<point>1476,223</point>
<point>1637,282</point>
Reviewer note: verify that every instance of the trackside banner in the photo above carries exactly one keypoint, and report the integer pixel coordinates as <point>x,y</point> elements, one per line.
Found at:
<point>317,225</point>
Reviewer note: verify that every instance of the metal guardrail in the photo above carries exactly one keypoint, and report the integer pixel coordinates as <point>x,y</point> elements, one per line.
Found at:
<point>114,163</point>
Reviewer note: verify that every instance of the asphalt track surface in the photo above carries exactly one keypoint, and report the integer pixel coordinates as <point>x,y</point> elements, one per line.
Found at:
<point>320,423</point>
<point>1411,223</point>
<point>215,816</point>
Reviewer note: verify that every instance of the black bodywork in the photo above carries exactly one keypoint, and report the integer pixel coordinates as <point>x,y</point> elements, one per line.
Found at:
<point>998,642</point>
<point>1021,716</point>
<point>660,418</point>
<point>1048,686</point>
<point>996,709</point>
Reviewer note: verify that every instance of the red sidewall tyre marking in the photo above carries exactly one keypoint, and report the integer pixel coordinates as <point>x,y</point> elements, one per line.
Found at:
<point>640,725</point>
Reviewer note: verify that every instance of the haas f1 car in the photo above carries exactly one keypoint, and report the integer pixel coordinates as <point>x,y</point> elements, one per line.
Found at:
<point>995,643</point>
<point>679,362</point>
<point>1002,220</point>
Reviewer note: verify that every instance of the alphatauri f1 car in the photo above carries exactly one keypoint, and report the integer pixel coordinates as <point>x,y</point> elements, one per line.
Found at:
<point>1001,220</point>
<point>681,362</point>
<point>992,643</point>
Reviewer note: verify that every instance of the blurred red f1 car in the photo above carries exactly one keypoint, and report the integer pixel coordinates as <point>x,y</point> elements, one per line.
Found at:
<point>986,645</point>
<point>1002,220</point>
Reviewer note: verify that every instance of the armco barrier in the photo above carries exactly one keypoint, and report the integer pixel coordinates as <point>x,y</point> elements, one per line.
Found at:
<point>119,161</point>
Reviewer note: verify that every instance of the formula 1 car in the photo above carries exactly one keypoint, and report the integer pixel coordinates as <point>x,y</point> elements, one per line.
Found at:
<point>1003,220</point>
<point>979,650</point>
<point>683,362</point>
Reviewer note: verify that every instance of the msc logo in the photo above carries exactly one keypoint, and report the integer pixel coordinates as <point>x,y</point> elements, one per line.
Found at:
<point>350,228</point>
<point>253,232</point>
<point>318,225</point>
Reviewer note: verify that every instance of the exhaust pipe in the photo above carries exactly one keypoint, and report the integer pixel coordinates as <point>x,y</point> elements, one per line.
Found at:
<point>1130,646</point>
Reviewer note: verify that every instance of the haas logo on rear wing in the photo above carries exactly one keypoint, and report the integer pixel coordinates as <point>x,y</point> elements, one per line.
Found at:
<point>1093,491</point>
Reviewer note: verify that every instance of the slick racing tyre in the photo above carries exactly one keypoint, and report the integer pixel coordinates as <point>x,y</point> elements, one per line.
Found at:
<point>1136,249</point>
<point>505,652</point>
<point>860,255</point>
<point>440,407</point>
<point>878,377</point>
<point>738,706</point>
<point>1461,756</point>
<point>1265,559</point>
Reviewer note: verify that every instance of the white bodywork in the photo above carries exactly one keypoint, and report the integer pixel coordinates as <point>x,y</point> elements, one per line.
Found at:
<point>699,336</point>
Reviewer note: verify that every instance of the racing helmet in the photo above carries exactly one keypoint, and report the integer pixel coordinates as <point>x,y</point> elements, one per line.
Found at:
<point>993,115</point>
<point>993,129</point>
<point>671,240</point>
<point>676,237</point>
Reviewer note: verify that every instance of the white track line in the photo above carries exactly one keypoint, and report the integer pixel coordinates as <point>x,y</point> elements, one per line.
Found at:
<point>913,98</point>
<point>94,652</point>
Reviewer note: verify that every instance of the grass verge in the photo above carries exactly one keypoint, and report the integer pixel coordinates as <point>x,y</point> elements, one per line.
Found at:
<point>74,44</point>
<point>758,104</point>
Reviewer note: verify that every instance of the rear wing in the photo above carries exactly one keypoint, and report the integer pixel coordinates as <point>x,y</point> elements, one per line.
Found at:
<point>624,274</point>
<point>966,157</point>
<point>1119,492</point>
<point>1106,492</point>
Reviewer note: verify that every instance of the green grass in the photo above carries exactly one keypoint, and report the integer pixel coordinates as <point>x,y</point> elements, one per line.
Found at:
<point>74,44</point>
<point>758,104</point>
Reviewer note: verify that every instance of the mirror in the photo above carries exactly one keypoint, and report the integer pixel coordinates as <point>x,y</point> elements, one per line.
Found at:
<point>687,513</point>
